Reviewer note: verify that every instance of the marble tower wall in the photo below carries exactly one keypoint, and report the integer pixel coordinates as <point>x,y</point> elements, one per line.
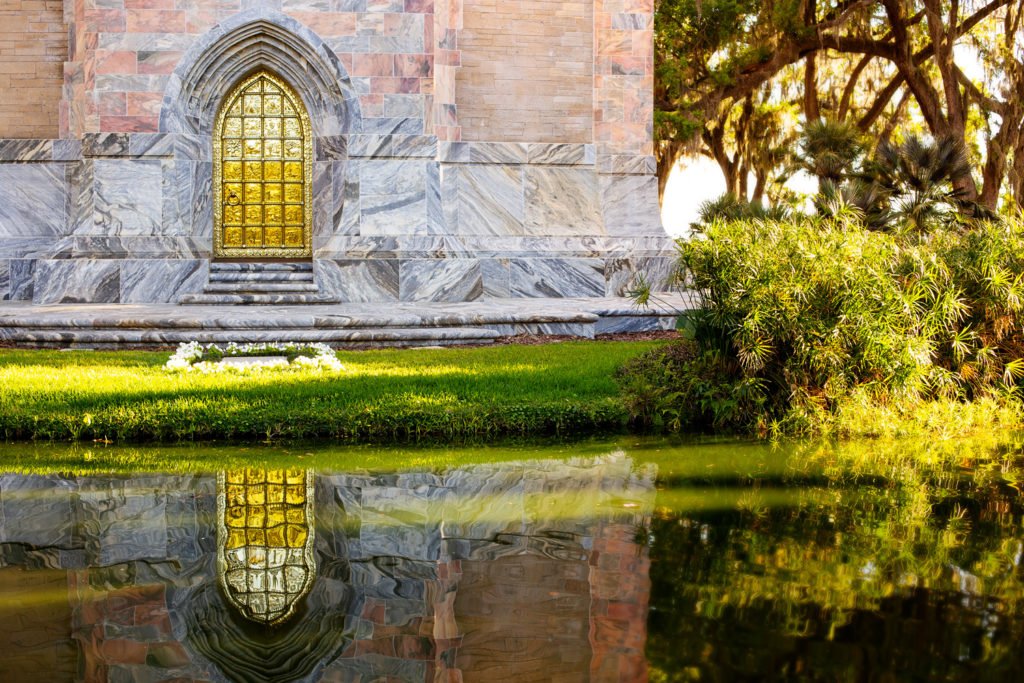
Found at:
<point>404,209</point>
<point>538,53</point>
<point>33,47</point>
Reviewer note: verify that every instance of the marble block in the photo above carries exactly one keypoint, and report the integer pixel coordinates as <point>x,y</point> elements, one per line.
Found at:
<point>496,277</point>
<point>358,280</point>
<point>403,213</point>
<point>440,280</point>
<point>623,275</point>
<point>629,204</point>
<point>561,201</point>
<point>489,200</point>
<point>5,279</point>
<point>20,277</point>
<point>161,280</point>
<point>557,277</point>
<point>33,200</point>
<point>36,510</point>
<point>392,176</point>
<point>76,281</point>
<point>128,197</point>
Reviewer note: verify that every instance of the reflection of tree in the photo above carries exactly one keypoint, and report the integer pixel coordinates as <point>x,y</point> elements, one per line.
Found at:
<point>893,566</point>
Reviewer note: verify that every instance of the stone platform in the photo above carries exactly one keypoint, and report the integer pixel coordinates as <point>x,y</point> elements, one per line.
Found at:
<point>351,325</point>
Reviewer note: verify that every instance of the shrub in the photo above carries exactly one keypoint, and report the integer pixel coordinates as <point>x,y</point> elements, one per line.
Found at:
<point>793,317</point>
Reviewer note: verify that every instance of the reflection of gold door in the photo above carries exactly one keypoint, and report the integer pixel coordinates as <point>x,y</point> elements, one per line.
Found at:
<point>265,540</point>
<point>262,163</point>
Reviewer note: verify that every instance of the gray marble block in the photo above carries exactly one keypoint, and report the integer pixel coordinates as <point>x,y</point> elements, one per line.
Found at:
<point>490,200</point>
<point>561,201</point>
<point>629,204</point>
<point>77,281</point>
<point>440,280</point>
<point>625,274</point>
<point>128,197</point>
<point>20,279</point>
<point>359,280</point>
<point>161,280</point>
<point>496,276</point>
<point>557,277</point>
<point>33,200</point>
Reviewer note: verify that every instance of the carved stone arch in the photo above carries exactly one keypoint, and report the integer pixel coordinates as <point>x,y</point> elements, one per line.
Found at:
<point>247,41</point>
<point>258,39</point>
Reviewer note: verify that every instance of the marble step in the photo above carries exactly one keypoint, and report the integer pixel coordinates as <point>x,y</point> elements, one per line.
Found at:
<point>260,276</point>
<point>258,287</point>
<point>348,337</point>
<point>279,298</point>
<point>219,266</point>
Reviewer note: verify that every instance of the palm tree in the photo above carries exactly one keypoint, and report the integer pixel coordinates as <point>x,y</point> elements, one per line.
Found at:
<point>914,183</point>
<point>829,151</point>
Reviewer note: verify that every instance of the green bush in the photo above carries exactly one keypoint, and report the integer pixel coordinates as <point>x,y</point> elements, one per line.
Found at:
<point>796,317</point>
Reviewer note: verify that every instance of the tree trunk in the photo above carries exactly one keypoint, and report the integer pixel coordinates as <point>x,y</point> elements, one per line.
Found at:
<point>669,152</point>
<point>812,107</point>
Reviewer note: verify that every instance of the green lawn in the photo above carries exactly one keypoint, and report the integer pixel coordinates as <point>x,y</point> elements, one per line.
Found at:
<point>385,395</point>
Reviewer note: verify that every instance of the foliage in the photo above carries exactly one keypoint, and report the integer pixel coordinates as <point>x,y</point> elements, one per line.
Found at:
<point>796,318</point>
<point>729,207</point>
<point>379,396</point>
<point>914,185</point>
<point>724,68</point>
<point>887,546</point>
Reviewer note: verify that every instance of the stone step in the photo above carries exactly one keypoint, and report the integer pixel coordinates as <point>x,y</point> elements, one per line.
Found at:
<point>256,266</point>
<point>258,287</point>
<point>348,337</point>
<point>281,299</point>
<point>259,276</point>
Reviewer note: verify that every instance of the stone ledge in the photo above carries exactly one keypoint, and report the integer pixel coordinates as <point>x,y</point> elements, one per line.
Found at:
<point>402,324</point>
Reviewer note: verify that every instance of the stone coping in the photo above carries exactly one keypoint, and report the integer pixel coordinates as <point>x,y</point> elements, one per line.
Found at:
<point>344,315</point>
<point>355,146</point>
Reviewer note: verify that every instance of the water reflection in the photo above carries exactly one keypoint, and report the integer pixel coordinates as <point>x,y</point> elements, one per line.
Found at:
<point>521,570</point>
<point>265,540</point>
<point>721,562</point>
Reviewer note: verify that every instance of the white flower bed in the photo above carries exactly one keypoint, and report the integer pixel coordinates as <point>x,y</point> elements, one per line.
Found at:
<point>196,357</point>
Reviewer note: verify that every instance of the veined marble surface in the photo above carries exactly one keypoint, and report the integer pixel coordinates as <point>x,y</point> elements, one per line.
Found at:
<point>33,200</point>
<point>398,323</point>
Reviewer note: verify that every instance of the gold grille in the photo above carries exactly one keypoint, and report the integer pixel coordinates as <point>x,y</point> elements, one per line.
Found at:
<point>262,160</point>
<point>265,540</point>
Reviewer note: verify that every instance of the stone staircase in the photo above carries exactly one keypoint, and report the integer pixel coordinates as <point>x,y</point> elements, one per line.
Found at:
<point>260,283</point>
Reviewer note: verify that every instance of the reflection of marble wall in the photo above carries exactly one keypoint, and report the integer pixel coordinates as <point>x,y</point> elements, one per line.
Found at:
<point>498,571</point>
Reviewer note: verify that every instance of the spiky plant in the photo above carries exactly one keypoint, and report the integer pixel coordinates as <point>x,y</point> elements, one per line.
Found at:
<point>913,183</point>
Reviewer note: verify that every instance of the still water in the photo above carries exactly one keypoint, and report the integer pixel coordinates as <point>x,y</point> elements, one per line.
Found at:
<point>620,560</point>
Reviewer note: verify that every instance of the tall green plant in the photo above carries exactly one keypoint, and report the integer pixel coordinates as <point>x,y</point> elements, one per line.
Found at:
<point>795,318</point>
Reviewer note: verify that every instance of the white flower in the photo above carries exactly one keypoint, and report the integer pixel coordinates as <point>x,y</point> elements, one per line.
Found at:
<point>188,358</point>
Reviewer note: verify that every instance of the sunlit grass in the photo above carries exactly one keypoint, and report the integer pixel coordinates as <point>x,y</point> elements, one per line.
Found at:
<point>381,395</point>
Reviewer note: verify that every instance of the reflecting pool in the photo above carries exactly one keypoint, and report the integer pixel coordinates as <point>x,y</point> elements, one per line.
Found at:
<point>620,560</point>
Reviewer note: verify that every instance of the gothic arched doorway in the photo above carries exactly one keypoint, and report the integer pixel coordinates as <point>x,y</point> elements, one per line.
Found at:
<point>262,172</point>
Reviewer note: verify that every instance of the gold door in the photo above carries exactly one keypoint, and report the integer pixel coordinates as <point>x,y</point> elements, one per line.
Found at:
<point>262,171</point>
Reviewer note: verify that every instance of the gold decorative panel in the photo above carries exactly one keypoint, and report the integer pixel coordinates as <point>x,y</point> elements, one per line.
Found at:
<point>262,171</point>
<point>265,540</point>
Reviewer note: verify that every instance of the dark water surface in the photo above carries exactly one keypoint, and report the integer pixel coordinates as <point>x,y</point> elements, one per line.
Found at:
<point>624,560</point>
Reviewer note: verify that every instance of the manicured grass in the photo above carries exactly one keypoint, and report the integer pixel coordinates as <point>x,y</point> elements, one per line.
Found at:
<point>562,389</point>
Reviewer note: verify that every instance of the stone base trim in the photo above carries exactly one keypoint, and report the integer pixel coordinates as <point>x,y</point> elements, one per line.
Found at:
<point>348,325</point>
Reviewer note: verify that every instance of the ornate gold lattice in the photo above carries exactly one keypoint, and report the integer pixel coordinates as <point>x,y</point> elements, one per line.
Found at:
<point>265,540</point>
<point>262,172</point>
